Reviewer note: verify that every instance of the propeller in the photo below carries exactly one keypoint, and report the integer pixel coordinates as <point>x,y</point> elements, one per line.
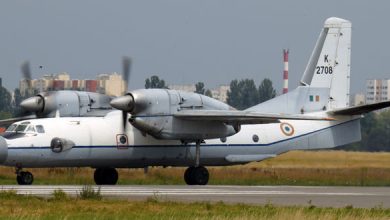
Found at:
<point>26,75</point>
<point>35,103</point>
<point>126,65</point>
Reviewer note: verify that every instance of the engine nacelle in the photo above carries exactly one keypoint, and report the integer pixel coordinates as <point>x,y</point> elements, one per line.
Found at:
<point>152,112</point>
<point>68,103</point>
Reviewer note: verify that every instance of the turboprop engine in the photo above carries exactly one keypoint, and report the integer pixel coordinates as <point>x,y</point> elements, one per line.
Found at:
<point>68,103</point>
<point>152,112</point>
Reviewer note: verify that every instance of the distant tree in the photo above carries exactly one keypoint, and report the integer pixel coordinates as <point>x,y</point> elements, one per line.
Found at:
<point>18,98</point>
<point>154,82</point>
<point>375,129</point>
<point>199,88</point>
<point>5,115</point>
<point>209,93</point>
<point>266,90</point>
<point>5,100</point>
<point>242,94</point>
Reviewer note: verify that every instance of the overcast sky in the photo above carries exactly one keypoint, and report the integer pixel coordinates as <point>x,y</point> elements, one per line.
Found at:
<point>182,41</point>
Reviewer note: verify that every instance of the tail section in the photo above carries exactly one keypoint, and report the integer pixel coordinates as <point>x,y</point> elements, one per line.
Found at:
<point>330,63</point>
<point>325,82</point>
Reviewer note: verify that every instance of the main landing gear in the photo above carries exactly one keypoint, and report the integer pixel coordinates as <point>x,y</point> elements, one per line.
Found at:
<point>105,176</point>
<point>24,177</point>
<point>196,175</point>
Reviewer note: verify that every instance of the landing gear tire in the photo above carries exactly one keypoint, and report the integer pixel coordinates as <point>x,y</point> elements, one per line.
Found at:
<point>25,178</point>
<point>196,176</point>
<point>105,176</point>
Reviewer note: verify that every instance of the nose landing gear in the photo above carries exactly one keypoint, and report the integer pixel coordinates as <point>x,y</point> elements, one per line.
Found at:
<point>24,177</point>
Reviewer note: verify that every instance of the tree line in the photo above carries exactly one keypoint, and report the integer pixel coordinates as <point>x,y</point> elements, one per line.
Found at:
<point>242,94</point>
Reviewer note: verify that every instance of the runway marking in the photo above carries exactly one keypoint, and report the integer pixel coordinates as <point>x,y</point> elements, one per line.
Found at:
<point>148,191</point>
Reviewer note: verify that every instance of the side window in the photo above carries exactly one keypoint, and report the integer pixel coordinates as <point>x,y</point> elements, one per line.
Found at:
<point>30,129</point>
<point>40,129</point>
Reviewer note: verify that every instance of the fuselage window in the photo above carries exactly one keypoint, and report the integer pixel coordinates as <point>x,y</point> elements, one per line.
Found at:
<point>40,129</point>
<point>223,140</point>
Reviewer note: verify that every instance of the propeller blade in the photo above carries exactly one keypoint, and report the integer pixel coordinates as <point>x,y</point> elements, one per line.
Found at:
<point>123,102</point>
<point>126,62</point>
<point>26,72</point>
<point>124,121</point>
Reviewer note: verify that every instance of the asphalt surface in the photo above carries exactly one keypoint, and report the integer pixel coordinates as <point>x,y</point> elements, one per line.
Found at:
<point>365,197</point>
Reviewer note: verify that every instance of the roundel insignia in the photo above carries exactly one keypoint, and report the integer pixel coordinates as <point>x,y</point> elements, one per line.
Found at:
<point>287,129</point>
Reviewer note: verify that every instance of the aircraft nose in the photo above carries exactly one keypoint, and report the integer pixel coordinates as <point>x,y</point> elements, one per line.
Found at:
<point>3,150</point>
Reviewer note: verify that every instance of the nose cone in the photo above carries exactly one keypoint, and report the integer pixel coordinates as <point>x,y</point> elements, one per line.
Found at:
<point>124,103</point>
<point>3,150</point>
<point>33,104</point>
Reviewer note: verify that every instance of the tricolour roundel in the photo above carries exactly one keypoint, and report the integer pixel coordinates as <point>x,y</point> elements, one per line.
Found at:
<point>287,129</point>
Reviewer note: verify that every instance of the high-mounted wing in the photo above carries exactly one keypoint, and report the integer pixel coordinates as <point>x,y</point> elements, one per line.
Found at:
<point>8,122</point>
<point>361,109</point>
<point>241,117</point>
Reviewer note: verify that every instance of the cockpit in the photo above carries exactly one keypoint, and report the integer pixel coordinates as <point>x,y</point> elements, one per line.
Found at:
<point>22,129</point>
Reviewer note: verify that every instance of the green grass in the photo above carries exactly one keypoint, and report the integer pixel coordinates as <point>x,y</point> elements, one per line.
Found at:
<point>13,206</point>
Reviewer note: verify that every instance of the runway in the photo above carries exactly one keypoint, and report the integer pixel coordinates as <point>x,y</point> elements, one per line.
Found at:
<point>365,197</point>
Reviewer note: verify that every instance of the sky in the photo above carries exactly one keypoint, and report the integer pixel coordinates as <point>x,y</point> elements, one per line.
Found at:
<point>186,41</point>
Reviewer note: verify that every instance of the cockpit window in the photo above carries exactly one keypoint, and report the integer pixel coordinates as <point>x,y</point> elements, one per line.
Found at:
<point>40,129</point>
<point>11,128</point>
<point>21,128</point>
<point>30,129</point>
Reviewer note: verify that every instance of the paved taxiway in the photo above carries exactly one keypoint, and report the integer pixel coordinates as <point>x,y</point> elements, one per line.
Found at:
<point>366,197</point>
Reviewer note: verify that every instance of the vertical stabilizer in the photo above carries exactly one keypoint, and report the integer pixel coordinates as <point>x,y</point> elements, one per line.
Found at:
<point>329,64</point>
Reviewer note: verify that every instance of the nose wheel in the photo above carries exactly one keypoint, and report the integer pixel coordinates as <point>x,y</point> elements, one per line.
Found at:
<point>105,176</point>
<point>24,178</point>
<point>196,176</point>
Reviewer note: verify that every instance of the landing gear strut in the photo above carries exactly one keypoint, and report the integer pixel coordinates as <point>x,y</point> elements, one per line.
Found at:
<point>24,177</point>
<point>105,176</point>
<point>196,176</point>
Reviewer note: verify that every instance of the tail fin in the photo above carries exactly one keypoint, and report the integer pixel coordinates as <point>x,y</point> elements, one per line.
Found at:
<point>325,82</point>
<point>330,63</point>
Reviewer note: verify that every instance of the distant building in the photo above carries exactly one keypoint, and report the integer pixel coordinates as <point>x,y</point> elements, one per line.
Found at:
<point>185,88</point>
<point>377,90</point>
<point>90,85</point>
<point>220,92</point>
<point>358,99</point>
<point>110,84</point>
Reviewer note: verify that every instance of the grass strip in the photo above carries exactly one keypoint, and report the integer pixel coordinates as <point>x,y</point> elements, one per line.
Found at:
<point>13,206</point>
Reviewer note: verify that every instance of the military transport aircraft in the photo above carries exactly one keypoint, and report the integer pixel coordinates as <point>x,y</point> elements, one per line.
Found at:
<point>161,127</point>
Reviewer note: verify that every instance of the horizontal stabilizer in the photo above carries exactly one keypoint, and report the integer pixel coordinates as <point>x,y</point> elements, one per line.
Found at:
<point>248,158</point>
<point>241,117</point>
<point>361,109</point>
